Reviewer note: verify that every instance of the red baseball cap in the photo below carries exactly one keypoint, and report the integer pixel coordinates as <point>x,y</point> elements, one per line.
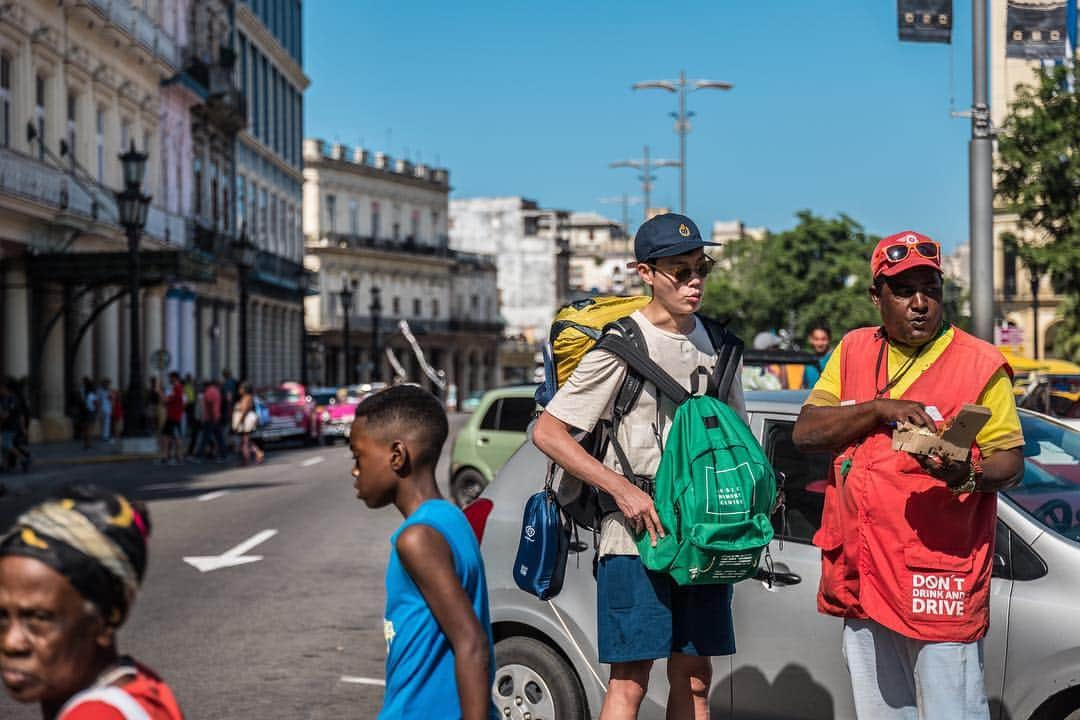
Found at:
<point>904,251</point>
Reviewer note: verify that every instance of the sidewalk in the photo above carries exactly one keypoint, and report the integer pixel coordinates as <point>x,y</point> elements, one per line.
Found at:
<point>71,452</point>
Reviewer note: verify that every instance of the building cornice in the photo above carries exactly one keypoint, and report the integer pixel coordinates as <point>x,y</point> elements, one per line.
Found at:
<point>374,173</point>
<point>253,143</point>
<point>360,255</point>
<point>250,24</point>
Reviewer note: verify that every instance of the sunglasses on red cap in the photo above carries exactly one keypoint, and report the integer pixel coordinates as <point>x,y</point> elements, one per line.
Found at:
<point>898,252</point>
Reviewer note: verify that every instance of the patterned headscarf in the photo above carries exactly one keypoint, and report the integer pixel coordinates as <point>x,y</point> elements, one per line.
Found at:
<point>94,538</point>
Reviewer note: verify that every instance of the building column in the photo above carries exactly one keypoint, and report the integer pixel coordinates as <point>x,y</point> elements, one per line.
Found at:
<point>16,320</point>
<point>153,329</point>
<point>84,365</point>
<point>172,329</point>
<point>187,333</point>
<point>107,342</point>
<point>255,350</point>
<point>123,343</point>
<point>55,424</point>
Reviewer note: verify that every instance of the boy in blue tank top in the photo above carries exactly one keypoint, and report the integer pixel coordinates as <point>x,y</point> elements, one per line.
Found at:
<point>439,646</point>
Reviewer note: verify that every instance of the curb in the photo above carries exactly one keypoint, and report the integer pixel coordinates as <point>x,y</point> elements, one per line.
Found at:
<point>96,460</point>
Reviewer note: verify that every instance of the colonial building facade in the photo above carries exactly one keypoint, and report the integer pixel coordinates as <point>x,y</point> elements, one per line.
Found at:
<point>1032,307</point>
<point>269,183</point>
<point>377,228</point>
<point>79,83</point>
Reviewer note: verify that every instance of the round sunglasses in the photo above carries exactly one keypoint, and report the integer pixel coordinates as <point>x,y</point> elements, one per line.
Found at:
<point>683,274</point>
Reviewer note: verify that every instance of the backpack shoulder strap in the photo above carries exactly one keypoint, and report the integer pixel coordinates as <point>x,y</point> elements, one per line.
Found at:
<point>639,361</point>
<point>729,350</point>
<point>630,390</point>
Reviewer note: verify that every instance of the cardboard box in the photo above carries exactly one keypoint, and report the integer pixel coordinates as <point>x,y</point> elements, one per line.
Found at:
<point>952,441</point>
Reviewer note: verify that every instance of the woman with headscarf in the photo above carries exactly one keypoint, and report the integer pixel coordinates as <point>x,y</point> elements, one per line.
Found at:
<point>69,571</point>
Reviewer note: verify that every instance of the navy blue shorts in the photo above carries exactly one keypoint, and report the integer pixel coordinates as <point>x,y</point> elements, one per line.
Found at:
<point>642,615</point>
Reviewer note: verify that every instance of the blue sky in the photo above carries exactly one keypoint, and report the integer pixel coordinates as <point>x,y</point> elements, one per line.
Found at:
<point>830,111</point>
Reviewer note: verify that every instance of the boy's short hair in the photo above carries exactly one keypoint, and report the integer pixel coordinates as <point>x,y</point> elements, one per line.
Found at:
<point>413,409</point>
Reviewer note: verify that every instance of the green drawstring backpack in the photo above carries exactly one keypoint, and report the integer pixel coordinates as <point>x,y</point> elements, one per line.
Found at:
<point>714,489</point>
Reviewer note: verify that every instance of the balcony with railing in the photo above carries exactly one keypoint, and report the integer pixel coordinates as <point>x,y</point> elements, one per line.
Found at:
<point>77,203</point>
<point>125,23</point>
<point>408,245</point>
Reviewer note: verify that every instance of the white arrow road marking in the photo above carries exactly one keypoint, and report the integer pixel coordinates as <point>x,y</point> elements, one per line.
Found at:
<point>312,461</point>
<point>233,556</point>
<point>362,680</point>
<point>212,495</point>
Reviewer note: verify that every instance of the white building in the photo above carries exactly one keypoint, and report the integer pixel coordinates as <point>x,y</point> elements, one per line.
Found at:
<point>600,251</point>
<point>378,228</point>
<point>531,250</point>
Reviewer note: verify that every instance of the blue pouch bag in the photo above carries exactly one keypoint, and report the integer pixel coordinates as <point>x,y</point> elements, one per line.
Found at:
<point>545,541</point>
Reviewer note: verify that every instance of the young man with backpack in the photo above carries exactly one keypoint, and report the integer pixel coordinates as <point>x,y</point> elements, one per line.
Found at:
<point>643,616</point>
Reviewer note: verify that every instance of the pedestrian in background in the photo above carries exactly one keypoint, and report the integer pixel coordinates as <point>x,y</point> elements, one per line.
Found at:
<point>15,414</point>
<point>69,572</point>
<point>820,340</point>
<point>194,416</point>
<point>187,426</point>
<point>117,402</point>
<point>907,541</point>
<point>154,408</point>
<point>174,417</point>
<point>211,429</point>
<point>244,421</point>
<point>440,655</point>
<point>105,410</point>
<point>89,410</point>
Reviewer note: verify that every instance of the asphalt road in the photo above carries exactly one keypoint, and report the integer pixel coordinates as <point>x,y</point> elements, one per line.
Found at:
<point>296,634</point>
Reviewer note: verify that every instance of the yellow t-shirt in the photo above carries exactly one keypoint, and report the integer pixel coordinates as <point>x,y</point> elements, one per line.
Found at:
<point>1001,432</point>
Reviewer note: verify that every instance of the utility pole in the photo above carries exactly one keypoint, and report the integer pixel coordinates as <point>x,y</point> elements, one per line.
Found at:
<point>625,201</point>
<point>682,118</point>
<point>646,166</point>
<point>980,179</point>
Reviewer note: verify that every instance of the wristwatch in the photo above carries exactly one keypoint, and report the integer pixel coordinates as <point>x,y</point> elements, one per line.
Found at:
<point>972,483</point>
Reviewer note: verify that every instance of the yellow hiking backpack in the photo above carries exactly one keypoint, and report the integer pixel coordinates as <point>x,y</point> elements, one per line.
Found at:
<point>578,326</point>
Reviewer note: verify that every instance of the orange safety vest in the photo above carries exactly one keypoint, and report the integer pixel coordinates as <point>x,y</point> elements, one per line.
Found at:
<point>896,545</point>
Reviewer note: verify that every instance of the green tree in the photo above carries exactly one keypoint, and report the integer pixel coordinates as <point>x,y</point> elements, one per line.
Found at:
<point>818,270</point>
<point>1039,179</point>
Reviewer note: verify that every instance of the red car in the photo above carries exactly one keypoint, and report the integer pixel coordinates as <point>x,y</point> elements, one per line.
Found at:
<point>292,415</point>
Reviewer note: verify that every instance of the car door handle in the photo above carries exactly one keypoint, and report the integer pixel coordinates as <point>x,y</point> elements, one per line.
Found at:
<point>777,579</point>
<point>483,440</point>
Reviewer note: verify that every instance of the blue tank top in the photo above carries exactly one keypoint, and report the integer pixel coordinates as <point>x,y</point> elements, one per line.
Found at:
<point>420,680</point>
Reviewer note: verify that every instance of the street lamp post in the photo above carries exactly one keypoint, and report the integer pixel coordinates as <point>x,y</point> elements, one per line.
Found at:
<point>132,207</point>
<point>682,118</point>
<point>646,165</point>
<point>244,251</point>
<point>347,288</point>
<point>375,308</point>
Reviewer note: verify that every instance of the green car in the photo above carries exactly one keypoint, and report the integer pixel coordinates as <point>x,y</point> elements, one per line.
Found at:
<point>494,431</point>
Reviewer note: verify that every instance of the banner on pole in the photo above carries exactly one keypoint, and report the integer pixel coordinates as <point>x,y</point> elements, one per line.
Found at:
<point>1036,31</point>
<point>925,20</point>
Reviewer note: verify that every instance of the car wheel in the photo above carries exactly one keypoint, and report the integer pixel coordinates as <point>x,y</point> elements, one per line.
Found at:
<point>466,486</point>
<point>1063,706</point>
<point>533,681</point>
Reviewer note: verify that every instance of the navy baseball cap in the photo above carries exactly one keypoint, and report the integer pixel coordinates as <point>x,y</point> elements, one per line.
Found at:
<point>667,235</point>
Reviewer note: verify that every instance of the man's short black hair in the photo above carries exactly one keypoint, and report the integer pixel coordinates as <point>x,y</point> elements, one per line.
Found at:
<point>820,325</point>
<point>412,409</point>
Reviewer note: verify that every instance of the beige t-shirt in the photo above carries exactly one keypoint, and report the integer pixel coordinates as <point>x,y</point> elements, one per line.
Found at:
<point>589,396</point>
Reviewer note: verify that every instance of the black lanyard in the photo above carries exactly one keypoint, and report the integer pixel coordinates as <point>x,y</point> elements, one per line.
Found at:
<point>892,382</point>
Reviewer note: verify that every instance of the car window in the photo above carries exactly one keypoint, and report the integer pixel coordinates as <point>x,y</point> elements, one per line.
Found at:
<point>491,417</point>
<point>516,414</point>
<point>806,475</point>
<point>1050,490</point>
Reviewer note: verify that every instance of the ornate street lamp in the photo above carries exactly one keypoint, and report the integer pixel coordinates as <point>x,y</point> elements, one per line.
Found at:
<point>348,288</point>
<point>244,252</point>
<point>375,308</point>
<point>132,207</point>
